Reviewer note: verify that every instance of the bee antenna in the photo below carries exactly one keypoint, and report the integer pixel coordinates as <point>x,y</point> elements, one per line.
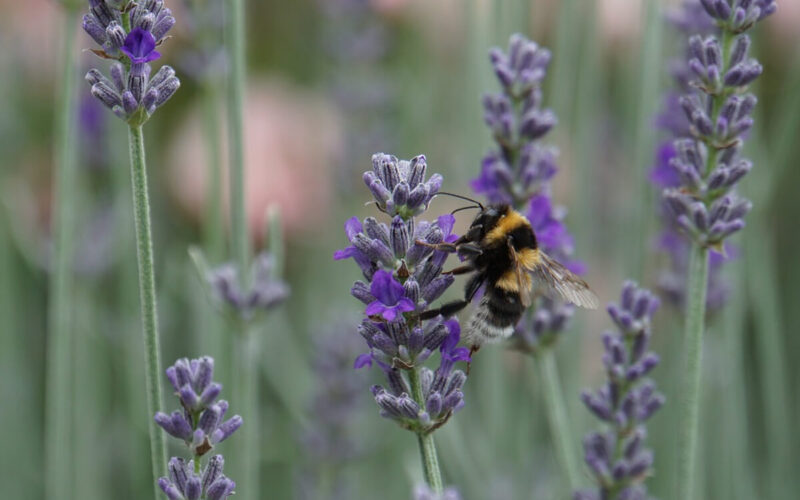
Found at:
<point>465,208</point>
<point>461,197</point>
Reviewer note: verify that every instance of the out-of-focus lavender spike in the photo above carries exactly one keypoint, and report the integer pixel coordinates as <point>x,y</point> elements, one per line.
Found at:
<point>626,400</point>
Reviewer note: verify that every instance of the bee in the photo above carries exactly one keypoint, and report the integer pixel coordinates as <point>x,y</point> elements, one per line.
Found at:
<point>500,251</point>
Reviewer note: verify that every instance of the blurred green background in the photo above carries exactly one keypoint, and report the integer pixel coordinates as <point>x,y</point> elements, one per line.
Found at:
<point>331,82</point>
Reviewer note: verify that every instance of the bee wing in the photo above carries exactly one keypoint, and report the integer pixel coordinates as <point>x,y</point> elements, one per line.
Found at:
<point>523,280</point>
<point>555,279</point>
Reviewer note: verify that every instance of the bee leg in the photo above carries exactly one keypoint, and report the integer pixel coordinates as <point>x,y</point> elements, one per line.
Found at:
<point>446,310</point>
<point>460,270</point>
<point>468,250</point>
<point>443,247</point>
<point>472,350</point>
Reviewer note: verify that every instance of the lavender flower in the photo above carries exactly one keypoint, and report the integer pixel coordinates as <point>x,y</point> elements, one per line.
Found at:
<point>616,456</point>
<point>698,167</point>
<point>131,93</point>
<point>403,279</point>
<point>201,422</point>
<point>519,170</point>
<point>184,483</point>
<point>399,187</point>
<point>264,292</point>
<point>423,492</point>
<point>707,162</point>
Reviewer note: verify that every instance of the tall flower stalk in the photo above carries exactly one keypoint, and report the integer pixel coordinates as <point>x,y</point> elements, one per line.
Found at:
<point>616,455</point>
<point>709,166</point>
<point>129,34</point>
<point>403,278</point>
<point>60,340</point>
<point>245,382</point>
<point>519,171</point>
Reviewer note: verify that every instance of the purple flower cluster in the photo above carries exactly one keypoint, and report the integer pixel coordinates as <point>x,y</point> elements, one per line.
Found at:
<point>200,422</point>
<point>519,167</point>
<point>699,169</point>
<point>519,170</point>
<point>184,483</point>
<point>130,36</point>
<point>399,186</point>
<point>617,457</point>
<point>699,166</point>
<point>264,292</point>
<point>403,277</point>
<point>423,492</point>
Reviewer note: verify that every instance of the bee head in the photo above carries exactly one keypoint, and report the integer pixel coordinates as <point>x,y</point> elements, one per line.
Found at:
<point>489,216</point>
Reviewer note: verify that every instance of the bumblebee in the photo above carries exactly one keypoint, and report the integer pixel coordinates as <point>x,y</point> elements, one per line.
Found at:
<point>500,251</point>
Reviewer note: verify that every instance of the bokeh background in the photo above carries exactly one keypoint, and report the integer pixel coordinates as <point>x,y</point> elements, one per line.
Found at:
<point>330,82</point>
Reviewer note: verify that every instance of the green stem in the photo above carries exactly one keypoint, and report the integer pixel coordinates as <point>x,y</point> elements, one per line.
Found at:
<point>427,448</point>
<point>213,231</point>
<point>695,324</point>
<point>248,452</point>
<point>147,296</point>
<point>235,38</point>
<point>245,393</point>
<point>58,429</point>
<point>649,62</point>
<point>690,404</point>
<point>557,417</point>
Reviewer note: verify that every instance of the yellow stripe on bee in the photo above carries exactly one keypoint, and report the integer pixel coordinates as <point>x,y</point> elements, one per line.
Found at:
<point>529,258</point>
<point>505,225</point>
<point>510,283</point>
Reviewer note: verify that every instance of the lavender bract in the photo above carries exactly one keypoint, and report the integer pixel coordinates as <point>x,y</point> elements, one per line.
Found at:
<point>201,422</point>
<point>130,36</point>
<point>616,456</point>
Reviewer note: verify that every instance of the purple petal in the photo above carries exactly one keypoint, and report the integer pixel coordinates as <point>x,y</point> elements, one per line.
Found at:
<point>363,360</point>
<point>352,227</point>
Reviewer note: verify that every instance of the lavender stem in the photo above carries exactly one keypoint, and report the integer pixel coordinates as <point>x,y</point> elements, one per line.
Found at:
<point>235,41</point>
<point>427,448</point>
<point>59,355</point>
<point>695,324</point>
<point>245,379</point>
<point>566,451</point>
<point>147,295</point>
<point>690,406</point>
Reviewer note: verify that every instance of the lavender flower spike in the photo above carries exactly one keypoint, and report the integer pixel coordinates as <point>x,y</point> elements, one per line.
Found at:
<point>184,484</point>
<point>617,457</point>
<point>703,204</point>
<point>264,293</point>
<point>131,93</point>
<point>200,422</point>
<point>423,492</point>
<point>403,277</point>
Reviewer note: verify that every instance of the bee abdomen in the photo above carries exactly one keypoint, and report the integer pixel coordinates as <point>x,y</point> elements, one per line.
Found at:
<point>494,318</point>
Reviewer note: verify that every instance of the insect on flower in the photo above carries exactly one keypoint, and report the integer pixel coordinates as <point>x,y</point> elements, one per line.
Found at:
<point>501,252</point>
